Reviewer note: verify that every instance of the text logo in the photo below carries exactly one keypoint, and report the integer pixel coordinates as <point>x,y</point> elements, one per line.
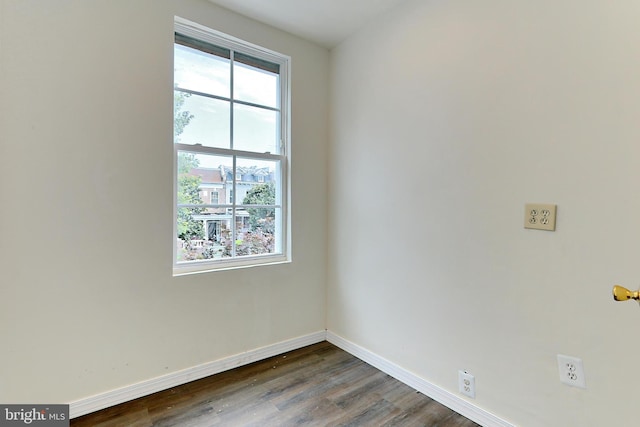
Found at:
<point>34,415</point>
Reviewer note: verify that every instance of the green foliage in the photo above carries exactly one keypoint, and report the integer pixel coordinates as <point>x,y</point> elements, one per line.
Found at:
<point>253,243</point>
<point>187,162</point>
<point>261,218</point>
<point>187,227</point>
<point>180,118</point>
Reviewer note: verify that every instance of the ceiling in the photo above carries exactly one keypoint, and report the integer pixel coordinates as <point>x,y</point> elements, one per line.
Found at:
<point>325,22</point>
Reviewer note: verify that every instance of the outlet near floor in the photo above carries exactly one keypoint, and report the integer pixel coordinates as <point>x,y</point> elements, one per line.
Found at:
<point>571,371</point>
<point>467,384</point>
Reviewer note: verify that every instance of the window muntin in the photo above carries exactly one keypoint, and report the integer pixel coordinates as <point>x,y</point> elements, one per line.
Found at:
<point>231,134</point>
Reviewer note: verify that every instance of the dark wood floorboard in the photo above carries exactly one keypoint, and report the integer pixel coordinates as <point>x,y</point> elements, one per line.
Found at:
<point>319,385</point>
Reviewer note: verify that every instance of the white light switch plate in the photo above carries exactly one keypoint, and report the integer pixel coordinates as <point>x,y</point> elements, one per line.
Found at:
<point>540,216</point>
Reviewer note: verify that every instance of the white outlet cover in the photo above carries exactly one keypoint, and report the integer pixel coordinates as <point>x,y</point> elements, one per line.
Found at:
<point>467,384</point>
<point>571,371</point>
<point>540,216</point>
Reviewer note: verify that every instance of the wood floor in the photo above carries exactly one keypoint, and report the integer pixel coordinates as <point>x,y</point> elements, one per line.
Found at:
<point>319,385</point>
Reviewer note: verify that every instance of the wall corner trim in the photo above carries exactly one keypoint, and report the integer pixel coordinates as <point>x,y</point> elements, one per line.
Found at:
<point>438,394</point>
<point>164,382</point>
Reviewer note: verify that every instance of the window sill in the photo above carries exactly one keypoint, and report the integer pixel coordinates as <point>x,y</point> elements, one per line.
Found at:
<point>187,269</point>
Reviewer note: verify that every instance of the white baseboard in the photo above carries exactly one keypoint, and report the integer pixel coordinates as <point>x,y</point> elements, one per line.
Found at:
<point>144,388</point>
<point>438,394</point>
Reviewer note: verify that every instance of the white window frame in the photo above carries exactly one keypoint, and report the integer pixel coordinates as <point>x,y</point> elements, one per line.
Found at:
<point>283,248</point>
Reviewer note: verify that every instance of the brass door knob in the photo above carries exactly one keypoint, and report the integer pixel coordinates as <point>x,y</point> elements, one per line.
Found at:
<point>621,293</point>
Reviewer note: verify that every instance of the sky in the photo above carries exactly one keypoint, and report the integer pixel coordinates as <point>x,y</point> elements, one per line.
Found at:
<point>256,129</point>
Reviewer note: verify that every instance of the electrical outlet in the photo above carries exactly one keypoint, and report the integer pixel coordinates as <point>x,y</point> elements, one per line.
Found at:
<point>571,371</point>
<point>540,216</point>
<point>467,384</point>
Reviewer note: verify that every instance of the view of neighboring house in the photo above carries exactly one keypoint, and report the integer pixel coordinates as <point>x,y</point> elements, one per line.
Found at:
<point>217,188</point>
<point>212,190</point>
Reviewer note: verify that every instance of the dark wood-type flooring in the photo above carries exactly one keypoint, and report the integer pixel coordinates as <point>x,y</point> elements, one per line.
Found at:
<point>319,385</point>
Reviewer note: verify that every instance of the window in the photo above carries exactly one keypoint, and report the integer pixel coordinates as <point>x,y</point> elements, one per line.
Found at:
<point>230,121</point>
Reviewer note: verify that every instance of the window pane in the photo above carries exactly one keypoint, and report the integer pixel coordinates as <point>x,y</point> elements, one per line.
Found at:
<point>256,231</point>
<point>205,121</point>
<point>208,235</point>
<point>214,197</point>
<point>260,182</point>
<point>202,179</point>
<point>255,129</point>
<point>201,71</point>
<point>189,227</point>
<point>188,181</point>
<point>255,85</point>
<point>209,161</point>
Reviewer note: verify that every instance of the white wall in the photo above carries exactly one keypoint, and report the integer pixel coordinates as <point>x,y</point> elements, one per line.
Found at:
<point>476,108</point>
<point>88,302</point>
